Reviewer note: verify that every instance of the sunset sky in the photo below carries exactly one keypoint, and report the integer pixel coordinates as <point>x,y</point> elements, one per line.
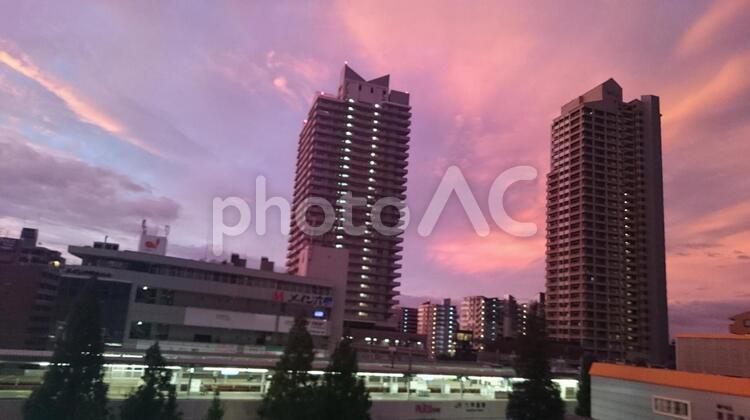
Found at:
<point>111,112</point>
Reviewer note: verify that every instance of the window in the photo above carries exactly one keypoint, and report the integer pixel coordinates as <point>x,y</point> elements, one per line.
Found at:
<point>671,407</point>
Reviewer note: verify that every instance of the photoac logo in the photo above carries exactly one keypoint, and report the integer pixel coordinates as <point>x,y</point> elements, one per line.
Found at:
<point>339,216</point>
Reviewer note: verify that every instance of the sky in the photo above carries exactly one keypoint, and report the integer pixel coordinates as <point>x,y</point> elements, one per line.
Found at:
<point>112,112</point>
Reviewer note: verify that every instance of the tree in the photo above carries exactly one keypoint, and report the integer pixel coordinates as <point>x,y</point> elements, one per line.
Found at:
<point>73,387</point>
<point>584,390</point>
<point>290,395</point>
<point>342,395</point>
<point>215,410</point>
<point>155,398</point>
<point>537,397</point>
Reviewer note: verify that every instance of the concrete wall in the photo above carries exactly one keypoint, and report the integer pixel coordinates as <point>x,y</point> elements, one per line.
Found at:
<point>614,399</point>
<point>10,409</point>
<point>717,356</point>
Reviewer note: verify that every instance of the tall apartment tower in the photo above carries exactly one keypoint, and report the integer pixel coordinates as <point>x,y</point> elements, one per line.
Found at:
<point>439,322</point>
<point>606,281</point>
<point>353,153</point>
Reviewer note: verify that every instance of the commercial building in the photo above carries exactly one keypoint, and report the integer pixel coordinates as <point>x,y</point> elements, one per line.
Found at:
<point>716,354</point>
<point>605,273</point>
<point>208,307</point>
<point>624,393</point>
<point>352,157</point>
<point>439,323</point>
<point>740,323</point>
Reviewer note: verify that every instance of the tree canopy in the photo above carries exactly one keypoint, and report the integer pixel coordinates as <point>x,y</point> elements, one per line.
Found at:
<point>155,398</point>
<point>537,397</point>
<point>73,387</point>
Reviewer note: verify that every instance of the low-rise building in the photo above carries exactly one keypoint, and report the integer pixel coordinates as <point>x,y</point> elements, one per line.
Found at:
<point>621,392</point>
<point>717,354</point>
<point>210,307</point>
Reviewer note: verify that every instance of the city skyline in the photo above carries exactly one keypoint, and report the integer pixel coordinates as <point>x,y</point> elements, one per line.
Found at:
<point>118,134</point>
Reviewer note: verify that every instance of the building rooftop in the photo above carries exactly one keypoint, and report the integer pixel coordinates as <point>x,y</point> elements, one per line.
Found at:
<point>687,380</point>
<point>211,266</point>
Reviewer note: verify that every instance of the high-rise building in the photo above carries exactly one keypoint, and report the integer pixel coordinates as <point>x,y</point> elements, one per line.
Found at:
<point>439,323</point>
<point>483,316</point>
<point>407,320</point>
<point>606,286</point>
<point>526,310</point>
<point>352,154</point>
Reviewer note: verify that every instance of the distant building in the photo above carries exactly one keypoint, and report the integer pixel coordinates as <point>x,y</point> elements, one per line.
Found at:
<point>487,318</point>
<point>605,274</point>
<point>740,323</point>
<point>355,143</point>
<point>28,290</point>
<point>25,250</point>
<point>408,320</point>
<point>621,392</point>
<point>439,323</point>
<point>716,354</point>
<point>526,309</point>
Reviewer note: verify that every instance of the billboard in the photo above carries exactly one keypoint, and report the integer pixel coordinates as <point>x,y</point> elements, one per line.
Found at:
<point>153,244</point>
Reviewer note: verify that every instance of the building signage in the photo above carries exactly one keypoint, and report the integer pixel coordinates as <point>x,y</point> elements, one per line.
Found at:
<point>153,244</point>
<point>302,298</point>
<point>471,406</point>
<point>426,409</point>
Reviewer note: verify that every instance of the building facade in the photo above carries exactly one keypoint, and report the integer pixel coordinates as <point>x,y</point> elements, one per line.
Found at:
<point>352,155</point>
<point>438,322</point>
<point>740,323</point>
<point>28,291</point>
<point>716,354</point>
<point>621,392</point>
<point>483,317</point>
<point>605,273</point>
<point>408,320</point>
<point>208,307</point>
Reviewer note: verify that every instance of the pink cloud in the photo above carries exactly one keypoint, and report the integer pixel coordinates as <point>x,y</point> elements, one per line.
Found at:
<point>82,108</point>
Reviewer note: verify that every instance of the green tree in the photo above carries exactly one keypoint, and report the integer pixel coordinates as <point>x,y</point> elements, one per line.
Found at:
<point>155,398</point>
<point>73,387</point>
<point>342,395</point>
<point>584,388</point>
<point>215,410</point>
<point>291,393</point>
<point>537,397</point>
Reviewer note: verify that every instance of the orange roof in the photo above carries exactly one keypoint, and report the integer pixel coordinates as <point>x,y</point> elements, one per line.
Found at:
<point>677,379</point>
<point>716,336</point>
